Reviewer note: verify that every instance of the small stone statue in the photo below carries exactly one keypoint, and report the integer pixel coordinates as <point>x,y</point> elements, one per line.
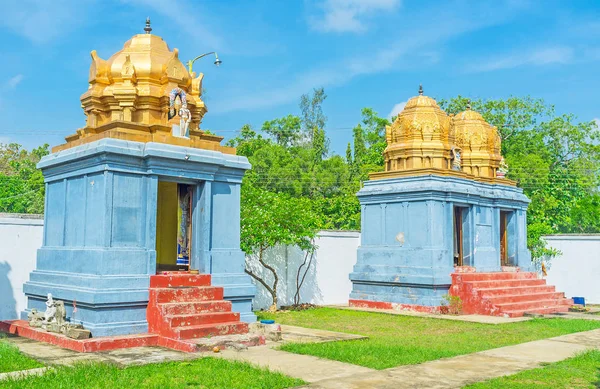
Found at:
<point>503,169</point>
<point>50,314</point>
<point>54,319</point>
<point>184,121</point>
<point>456,162</point>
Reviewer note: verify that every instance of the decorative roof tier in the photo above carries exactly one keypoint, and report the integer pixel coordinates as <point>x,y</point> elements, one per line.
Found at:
<point>420,137</point>
<point>479,142</point>
<point>144,93</point>
<point>424,140</point>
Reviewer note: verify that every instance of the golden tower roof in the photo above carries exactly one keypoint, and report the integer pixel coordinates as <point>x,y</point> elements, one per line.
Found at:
<point>144,93</point>
<point>424,140</point>
<point>420,137</point>
<point>479,142</point>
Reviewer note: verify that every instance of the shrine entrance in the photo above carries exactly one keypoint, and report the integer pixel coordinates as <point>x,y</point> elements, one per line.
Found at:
<point>173,226</point>
<point>458,236</point>
<point>504,217</point>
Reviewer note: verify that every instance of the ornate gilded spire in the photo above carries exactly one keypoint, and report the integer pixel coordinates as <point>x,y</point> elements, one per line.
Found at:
<point>148,29</point>
<point>420,137</point>
<point>131,94</point>
<point>479,141</point>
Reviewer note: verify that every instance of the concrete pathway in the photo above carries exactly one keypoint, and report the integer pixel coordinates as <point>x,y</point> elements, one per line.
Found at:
<point>466,369</point>
<point>53,355</point>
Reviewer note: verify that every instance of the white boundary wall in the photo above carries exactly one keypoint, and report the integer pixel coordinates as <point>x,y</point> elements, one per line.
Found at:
<point>20,237</point>
<point>577,270</point>
<point>327,280</point>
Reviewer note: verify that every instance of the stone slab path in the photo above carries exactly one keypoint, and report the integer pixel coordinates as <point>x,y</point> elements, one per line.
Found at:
<point>466,369</point>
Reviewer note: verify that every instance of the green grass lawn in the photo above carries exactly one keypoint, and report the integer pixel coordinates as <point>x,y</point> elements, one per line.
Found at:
<point>11,359</point>
<point>577,372</point>
<point>203,373</point>
<point>403,340</point>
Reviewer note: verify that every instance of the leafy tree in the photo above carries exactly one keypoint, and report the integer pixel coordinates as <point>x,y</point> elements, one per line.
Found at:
<point>286,131</point>
<point>313,121</point>
<point>21,183</point>
<point>271,219</point>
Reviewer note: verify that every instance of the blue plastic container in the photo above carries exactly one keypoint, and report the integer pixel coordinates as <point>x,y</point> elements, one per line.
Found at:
<point>267,321</point>
<point>579,301</point>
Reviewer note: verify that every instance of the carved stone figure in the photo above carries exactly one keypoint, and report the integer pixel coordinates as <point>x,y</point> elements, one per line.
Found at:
<point>54,319</point>
<point>50,314</point>
<point>456,161</point>
<point>184,121</point>
<point>503,169</point>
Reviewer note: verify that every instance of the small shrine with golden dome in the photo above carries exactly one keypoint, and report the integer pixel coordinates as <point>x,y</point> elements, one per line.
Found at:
<point>441,206</point>
<point>140,189</point>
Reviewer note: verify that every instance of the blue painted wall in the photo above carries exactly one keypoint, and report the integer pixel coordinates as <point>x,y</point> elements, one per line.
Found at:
<point>100,237</point>
<point>406,254</point>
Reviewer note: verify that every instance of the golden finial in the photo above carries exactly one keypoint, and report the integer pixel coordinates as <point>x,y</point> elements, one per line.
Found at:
<point>148,29</point>
<point>420,90</point>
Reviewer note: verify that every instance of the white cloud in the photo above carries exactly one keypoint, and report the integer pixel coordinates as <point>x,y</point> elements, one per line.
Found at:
<point>396,109</point>
<point>41,21</point>
<point>343,70</point>
<point>537,57</point>
<point>348,15</point>
<point>14,81</point>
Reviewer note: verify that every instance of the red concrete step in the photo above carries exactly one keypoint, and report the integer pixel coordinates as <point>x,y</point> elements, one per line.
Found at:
<point>492,292</point>
<point>195,307</point>
<point>175,280</point>
<point>541,311</point>
<point>506,283</point>
<point>528,305</point>
<point>201,331</point>
<point>467,277</point>
<point>202,318</point>
<point>518,298</point>
<point>186,294</point>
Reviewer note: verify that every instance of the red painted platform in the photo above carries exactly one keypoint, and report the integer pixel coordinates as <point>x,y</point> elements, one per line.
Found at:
<point>394,306</point>
<point>183,307</point>
<point>507,293</point>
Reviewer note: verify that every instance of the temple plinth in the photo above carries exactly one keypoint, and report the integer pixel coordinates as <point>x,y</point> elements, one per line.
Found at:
<point>139,190</point>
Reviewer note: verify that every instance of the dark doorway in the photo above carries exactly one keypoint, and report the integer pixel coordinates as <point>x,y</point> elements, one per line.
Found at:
<point>458,236</point>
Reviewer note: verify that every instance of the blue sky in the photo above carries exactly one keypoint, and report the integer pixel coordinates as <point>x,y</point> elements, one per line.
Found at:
<point>366,53</point>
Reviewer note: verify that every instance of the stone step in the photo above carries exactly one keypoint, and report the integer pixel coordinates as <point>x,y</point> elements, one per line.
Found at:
<point>518,298</point>
<point>170,309</point>
<point>492,292</point>
<point>467,277</point>
<point>204,330</point>
<point>541,311</point>
<point>176,280</point>
<point>202,318</point>
<point>506,283</point>
<point>186,294</point>
<point>531,305</point>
